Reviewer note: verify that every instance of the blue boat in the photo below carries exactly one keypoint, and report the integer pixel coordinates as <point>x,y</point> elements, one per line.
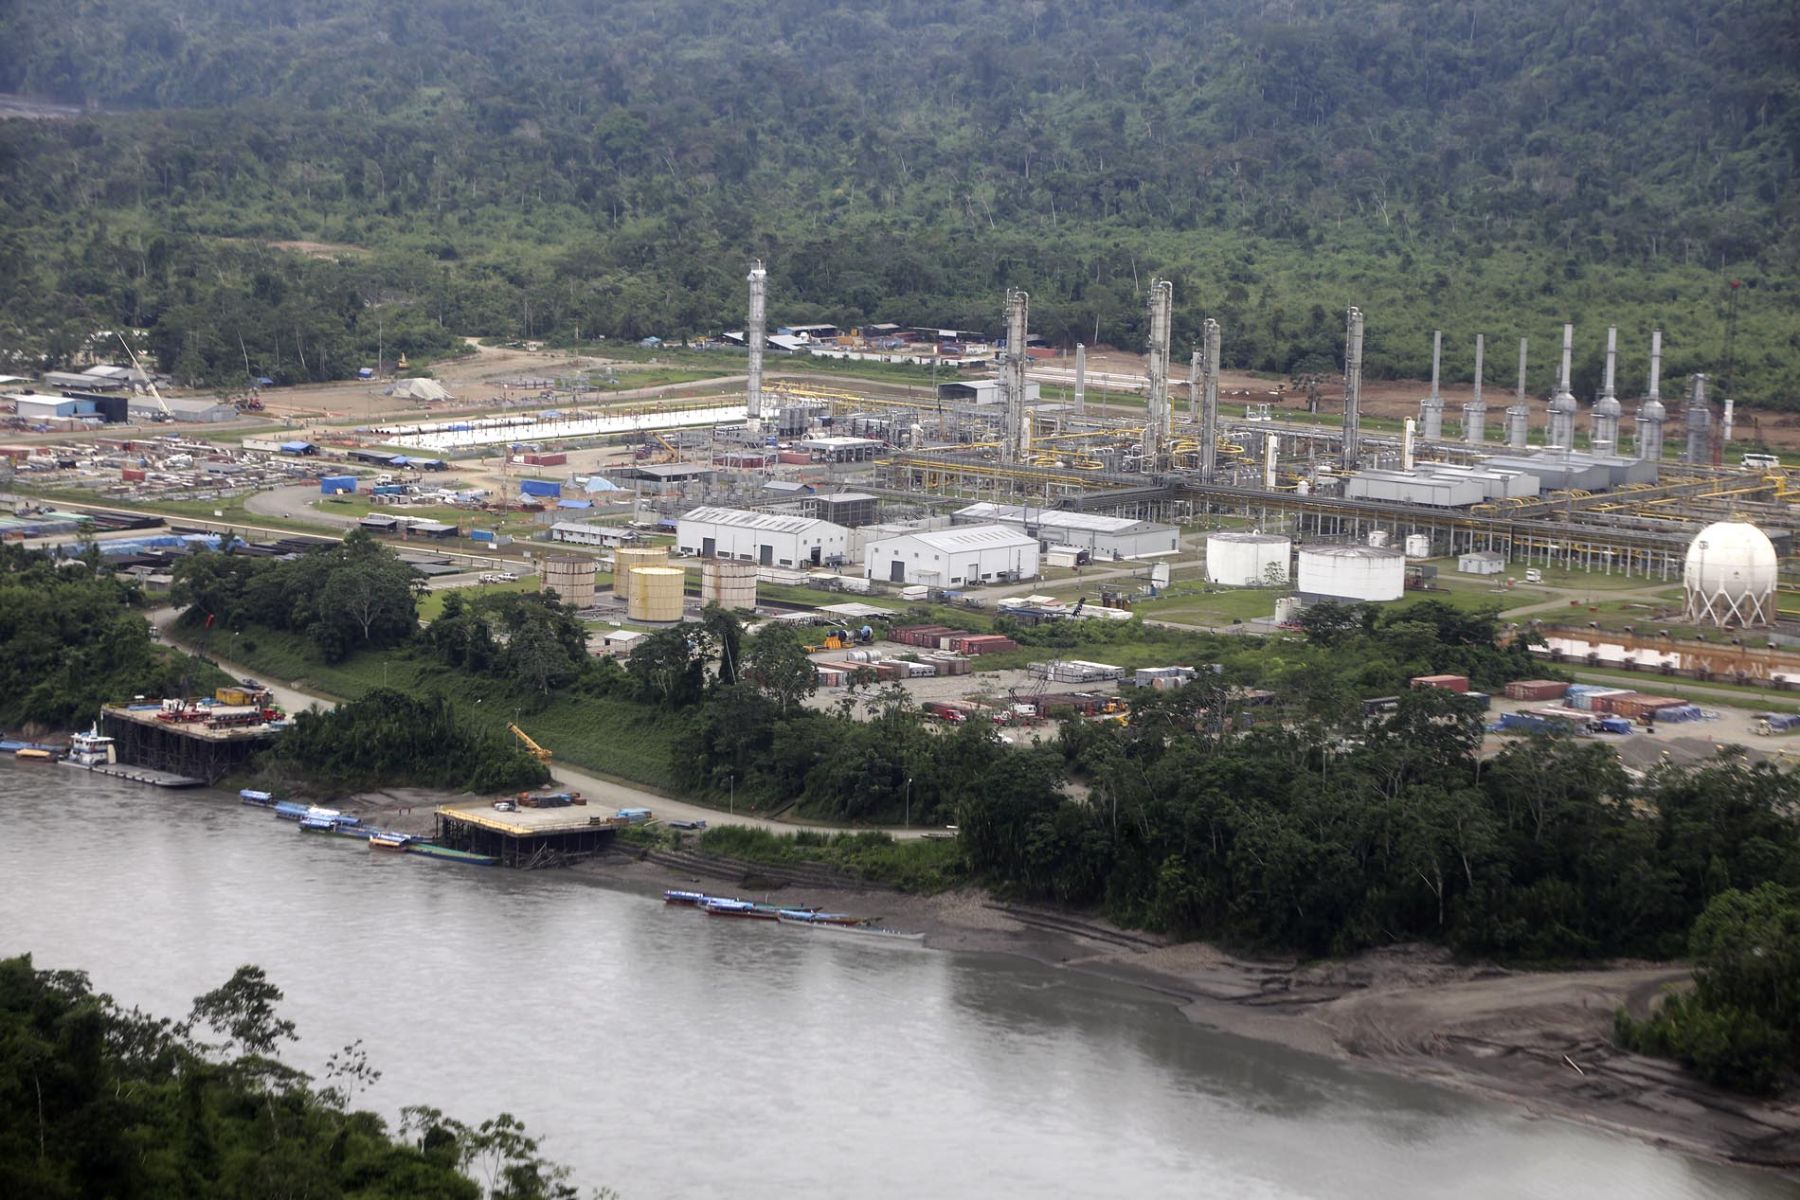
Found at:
<point>257,799</point>
<point>691,899</point>
<point>317,825</point>
<point>287,810</point>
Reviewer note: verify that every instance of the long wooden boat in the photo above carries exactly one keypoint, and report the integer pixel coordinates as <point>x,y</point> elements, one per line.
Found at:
<point>715,906</point>
<point>445,853</point>
<point>874,934</point>
<point>382,839</point>
<point>34,754</point>
<point>809,916</point>
<point>690,899</point>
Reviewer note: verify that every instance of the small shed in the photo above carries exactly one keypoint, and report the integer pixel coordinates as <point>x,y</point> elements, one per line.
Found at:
<point>1481,562</point>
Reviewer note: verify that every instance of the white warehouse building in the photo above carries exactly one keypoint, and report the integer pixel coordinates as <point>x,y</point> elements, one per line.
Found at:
<point>1102,537</point>
<point>956,557</point>
<point>766,539</point>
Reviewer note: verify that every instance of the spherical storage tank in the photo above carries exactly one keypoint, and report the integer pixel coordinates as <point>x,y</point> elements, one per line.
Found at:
<point>729,584</point>
<point>571,577</point>
<point>1246,559</point>
<point>1352,572</point>
<point>1730,575</point>
<point>627,557</point>
<point>656,593</point>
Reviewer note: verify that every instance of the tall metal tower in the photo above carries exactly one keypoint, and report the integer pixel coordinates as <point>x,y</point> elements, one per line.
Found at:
<point>1518,413</point>
<point>1560,432</point>
<point>1431,409</point>
<point>1353,356</point>
<point>1015,438</point>
<point>1209,400</point>
<point>1604,437</point>
<point>754,334</point>
<point>1650,414</point>
<point>1475,411</point>
<point>1194,386</point>
<point>1698,422</point>
<point>1080,379</point>
<point>1156,427</point>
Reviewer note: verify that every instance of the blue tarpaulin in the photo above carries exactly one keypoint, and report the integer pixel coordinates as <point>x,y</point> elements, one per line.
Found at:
<point>540,487</point>
<point>298,448</point>
<point>595,484</point>
<point>574,504</point>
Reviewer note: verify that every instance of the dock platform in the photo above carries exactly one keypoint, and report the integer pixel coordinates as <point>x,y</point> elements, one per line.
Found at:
<point>528,838</point>
<point>150,775</point>
<point>185,748</point>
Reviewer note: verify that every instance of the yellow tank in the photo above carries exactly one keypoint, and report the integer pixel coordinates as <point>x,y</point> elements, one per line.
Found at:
<point>628,557</point>
<point>727,583</point>
<point>655,594</point>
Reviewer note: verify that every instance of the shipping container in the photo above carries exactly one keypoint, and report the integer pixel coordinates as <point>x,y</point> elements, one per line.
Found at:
<point>1450,683</point>
<point>1535,689</point>
<point>334,485</point>
<point>547,460</point>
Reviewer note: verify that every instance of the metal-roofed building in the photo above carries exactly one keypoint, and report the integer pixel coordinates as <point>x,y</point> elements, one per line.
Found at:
<point>1102,536</point>
<point>180,408</point>
<point>765,538</point>
<point>982,391</point>
<point>956,557</point>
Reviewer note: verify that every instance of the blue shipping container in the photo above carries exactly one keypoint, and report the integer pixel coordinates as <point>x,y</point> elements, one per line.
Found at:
<point>332,485</point>
<point>481,535</point>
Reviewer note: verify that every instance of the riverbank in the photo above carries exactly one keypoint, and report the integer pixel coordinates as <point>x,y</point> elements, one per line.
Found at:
<point>1538,1039</point>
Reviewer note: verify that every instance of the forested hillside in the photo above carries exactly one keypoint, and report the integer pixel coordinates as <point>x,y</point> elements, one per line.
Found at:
<point>534,167</point>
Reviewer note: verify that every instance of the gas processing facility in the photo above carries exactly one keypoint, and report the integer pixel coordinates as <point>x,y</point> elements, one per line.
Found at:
<point>987,479</point>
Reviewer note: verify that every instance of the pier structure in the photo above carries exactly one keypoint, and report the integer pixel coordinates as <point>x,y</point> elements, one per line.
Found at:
<point>528,838</point>
<point>193,747</point>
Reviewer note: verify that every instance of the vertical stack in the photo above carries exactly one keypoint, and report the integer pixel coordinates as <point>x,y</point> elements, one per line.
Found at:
<point>1353,350</point>
<point>1475,411</point>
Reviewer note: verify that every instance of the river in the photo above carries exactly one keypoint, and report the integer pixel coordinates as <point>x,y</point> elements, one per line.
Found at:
<point>668,1055</point>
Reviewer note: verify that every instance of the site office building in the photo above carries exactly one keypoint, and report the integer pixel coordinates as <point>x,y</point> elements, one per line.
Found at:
<point>764,538</point>
<point>953,557</point>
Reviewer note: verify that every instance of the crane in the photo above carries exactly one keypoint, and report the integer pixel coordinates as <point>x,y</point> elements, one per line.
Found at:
<point>148,381</point>
<point>532,748</point>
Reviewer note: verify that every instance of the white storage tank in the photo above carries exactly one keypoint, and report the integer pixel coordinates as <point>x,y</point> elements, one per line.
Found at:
<point>1729,577</point>
<point>1352,572</point>
<point>626,558</point>
<point>1378,537</point>
<point>729,584</point>
<point>656,593</point>
<point>1247,559</point>
<point>570,577</point>
<point>1287,609</point>
<point>1418,545</point>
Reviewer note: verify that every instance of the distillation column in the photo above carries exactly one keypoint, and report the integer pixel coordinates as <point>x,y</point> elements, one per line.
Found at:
<point>1518,414</point>
<point>1650,414</point>
<point>1698,419</point>
<point>1156,428</point>
<point>1209,401</point>
<point>1431,409</point>
<point>1560,429</point>
<point>1353,349</point>
<point>753,334</point>
<point>1604,437</point>
<point>1080,379</point>
<point>1475,411</point>
<point>1015,437</point>
<point>1194,387</point>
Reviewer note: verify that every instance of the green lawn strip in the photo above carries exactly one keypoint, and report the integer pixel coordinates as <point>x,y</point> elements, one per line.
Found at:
<point>607,736</point>
<point>911,864</point>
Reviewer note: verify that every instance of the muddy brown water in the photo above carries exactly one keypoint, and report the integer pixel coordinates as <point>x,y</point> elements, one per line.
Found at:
<point>668,1054</point>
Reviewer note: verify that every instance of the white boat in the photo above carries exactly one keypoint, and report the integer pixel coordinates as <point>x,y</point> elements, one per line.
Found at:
<point>874,934</point>
<point>91,749</point>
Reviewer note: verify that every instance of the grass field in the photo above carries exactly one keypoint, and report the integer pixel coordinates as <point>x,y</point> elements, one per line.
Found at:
<point>618,738</point>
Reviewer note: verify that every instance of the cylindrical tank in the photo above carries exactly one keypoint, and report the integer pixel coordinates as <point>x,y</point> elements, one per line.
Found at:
<point>1418,545</point>
<point>628,557</point>
<point>1287,609</point>
<point>728,583</point>
<point>655,593</point>
<point>571,577</point>
<point>1247,559</point>
<point>1378,537</point>
<point>1352,572</point>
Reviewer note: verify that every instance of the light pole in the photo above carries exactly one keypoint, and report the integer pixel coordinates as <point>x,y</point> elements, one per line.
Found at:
<point>909,802</point>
